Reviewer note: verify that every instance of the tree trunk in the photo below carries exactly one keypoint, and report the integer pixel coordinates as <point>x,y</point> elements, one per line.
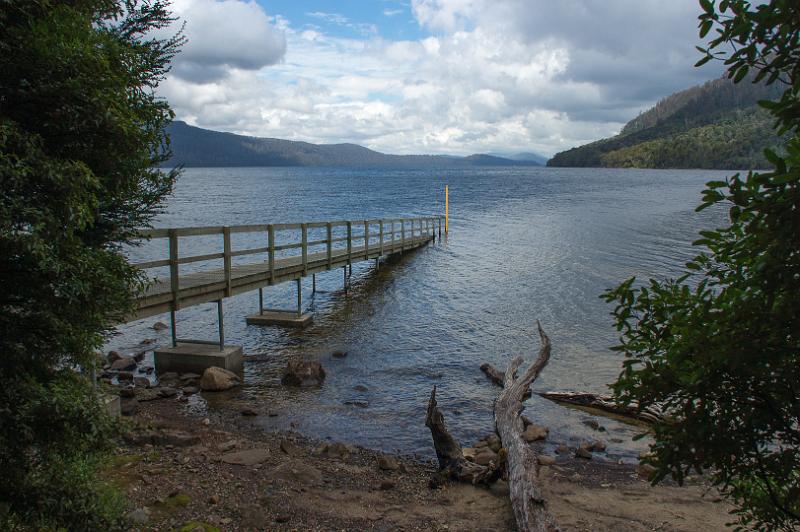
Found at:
<point>451,459</point>
<point>605,403</point>
<point>527,500</point>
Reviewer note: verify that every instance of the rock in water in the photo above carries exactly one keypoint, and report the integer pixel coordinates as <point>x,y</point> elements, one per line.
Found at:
<point>217,379</point>
<point>160,326</point>
<point>113,356</point>
<point>535,433</point>
<point>339,354</point>
<point>546,460</point>
<point>598,446</point>
<point>301,373</point>
<point>584,451</point>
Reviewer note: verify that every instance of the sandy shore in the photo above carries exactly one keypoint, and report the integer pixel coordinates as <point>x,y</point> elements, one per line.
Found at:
<point>182,471</point>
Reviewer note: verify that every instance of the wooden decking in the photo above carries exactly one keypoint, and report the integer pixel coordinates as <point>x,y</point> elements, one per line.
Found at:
<point>376,238</point>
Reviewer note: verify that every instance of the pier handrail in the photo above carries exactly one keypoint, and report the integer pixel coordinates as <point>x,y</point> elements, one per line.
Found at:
<point>388,234</point>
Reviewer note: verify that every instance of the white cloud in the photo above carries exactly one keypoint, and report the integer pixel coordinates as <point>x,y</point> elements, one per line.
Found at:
<point>223,35</point>
<point>493,75</point>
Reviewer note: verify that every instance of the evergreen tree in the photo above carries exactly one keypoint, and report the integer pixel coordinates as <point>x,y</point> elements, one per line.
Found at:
<point>81,134</point>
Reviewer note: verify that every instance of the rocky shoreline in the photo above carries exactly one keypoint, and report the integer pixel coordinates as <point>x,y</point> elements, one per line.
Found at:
<point>189,468</point>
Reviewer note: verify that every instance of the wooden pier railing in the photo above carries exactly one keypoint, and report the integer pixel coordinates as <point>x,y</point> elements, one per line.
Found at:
<point>288,252</point>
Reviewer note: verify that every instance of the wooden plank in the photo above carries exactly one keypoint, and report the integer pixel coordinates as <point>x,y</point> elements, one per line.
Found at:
<point>271,246</point>
<point>329,251</point>
<point>349,242</point>
<point>251,251</point>
<point>304,237</point>
<point>199,231</point>
<point>226,241</point>
<point>200,258</point>
<point>366,239</point>
<point>174,277</point>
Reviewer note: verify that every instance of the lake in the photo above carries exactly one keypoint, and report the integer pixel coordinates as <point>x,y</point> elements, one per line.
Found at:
<point>524,244</point>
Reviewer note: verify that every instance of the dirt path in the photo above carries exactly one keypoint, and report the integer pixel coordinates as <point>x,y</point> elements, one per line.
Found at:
<point>176,470</point>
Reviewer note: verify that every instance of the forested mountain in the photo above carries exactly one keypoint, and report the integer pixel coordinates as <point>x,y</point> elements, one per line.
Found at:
<point>715,125</point>
<point>194,146</point>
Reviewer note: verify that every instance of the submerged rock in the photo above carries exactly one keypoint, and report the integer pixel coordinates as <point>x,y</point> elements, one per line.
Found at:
<point>584,451</point>
<point>546,460</point>
<point>535,433</point>
<point>301,373</point>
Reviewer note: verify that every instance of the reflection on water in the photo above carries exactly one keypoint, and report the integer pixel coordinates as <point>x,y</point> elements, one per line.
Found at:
<point>524,244</point>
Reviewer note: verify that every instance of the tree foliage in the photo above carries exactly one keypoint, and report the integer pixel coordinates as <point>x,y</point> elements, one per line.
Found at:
<point>81,133</point>
<point>719,348</point>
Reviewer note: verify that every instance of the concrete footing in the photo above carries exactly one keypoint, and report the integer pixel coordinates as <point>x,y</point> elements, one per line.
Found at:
<point>195,358</point>
<point>277,317</point>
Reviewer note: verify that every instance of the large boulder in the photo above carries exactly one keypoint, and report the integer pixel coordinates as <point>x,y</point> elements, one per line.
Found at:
<point>301,373</point>
<point>123,364</point>
<point>217,379</point>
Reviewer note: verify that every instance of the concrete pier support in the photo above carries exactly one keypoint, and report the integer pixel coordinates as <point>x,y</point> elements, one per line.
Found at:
<point>286,318</point>
<point>196,355</point>
<point>195,358</point>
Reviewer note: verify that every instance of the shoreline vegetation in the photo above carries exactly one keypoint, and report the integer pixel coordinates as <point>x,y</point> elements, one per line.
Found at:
<point>718,125</point>
<point>183,466</point>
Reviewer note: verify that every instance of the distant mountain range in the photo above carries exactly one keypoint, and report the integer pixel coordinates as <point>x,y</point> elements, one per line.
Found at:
<point>196,147</point>
<point>714,125</point>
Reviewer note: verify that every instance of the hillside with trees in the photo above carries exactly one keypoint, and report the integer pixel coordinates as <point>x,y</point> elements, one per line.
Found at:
<point>197,147</point>
<point>714,125</point>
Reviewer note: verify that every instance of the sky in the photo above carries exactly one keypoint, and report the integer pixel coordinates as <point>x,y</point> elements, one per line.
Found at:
<point>431,76</point>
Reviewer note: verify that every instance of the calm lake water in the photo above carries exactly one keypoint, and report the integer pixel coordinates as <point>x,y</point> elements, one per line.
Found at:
<point>524,244</point>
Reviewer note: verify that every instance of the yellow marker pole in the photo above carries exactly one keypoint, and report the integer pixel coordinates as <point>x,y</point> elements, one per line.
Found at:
<point>446,209</point>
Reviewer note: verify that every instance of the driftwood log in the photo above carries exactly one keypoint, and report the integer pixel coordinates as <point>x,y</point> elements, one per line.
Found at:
<point>497,376</point>
<point>451,459</point>
<point>605,403</point>
<point>599,402</point>
<point>527,500</point>
<point>519,458</point>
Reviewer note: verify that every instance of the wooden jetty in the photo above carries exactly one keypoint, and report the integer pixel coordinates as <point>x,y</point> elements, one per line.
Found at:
<point>292,251</point>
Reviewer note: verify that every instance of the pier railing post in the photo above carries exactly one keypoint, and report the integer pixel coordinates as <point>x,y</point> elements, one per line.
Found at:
<point>304,230</point>
<point>329,228</point>
<point>349,242</point>
<point>402,236</point>
<point>174,282</point>
<point>221,326</point>
<point>299,298</point>
<point>380,237</point>
<point>366,239</point>
<point>271,246</point>
<point>226,239</point>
